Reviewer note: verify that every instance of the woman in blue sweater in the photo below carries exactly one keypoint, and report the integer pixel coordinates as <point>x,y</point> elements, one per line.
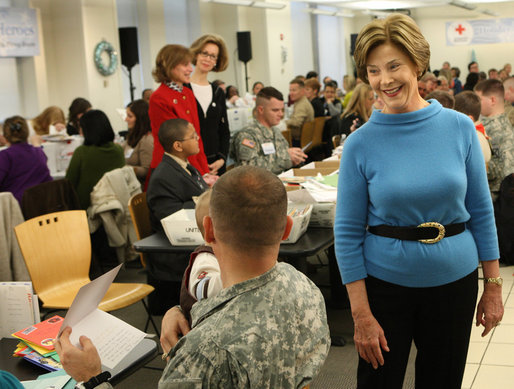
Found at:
<point>413,163</point>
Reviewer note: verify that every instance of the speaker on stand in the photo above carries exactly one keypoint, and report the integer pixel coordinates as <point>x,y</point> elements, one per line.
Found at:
<point>244,50</point>
<point>129,52</point>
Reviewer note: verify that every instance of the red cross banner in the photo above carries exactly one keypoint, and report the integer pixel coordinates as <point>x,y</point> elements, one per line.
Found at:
<point>475,32</point>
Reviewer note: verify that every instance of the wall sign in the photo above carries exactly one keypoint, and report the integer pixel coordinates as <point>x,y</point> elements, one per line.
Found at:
<point>18,32</point>
<point>476,32</point>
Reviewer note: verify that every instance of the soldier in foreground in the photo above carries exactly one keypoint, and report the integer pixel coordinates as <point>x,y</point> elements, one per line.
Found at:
<point>266,328</point>
<point>261,143</point>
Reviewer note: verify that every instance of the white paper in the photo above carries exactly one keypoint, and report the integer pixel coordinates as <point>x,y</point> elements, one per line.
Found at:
<point>112,337</point>
<point>16,307</point>
<point>47,383</point>
<point>300,196</point>
<point>88,298</point>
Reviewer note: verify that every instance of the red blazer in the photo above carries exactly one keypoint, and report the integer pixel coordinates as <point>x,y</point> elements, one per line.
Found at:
<point>165,104</point>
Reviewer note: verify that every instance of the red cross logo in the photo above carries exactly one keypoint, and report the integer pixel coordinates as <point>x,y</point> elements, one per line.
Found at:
<point>460,29</point>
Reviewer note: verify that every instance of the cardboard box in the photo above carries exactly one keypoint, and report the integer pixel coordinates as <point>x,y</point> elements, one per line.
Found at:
<point>301,214</point>
<point>323,215</point>
<point>325,164</point>
<point>314,172</point>
<point>181,228</point>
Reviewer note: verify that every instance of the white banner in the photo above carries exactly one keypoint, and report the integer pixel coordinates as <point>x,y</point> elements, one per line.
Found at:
<point>18,32</point>
<point>476,32</point>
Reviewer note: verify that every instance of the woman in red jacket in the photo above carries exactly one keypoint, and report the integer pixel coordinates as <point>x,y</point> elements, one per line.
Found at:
<point>173,100</point>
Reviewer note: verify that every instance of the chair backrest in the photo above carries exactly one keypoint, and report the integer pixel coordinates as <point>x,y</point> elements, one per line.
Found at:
<point>57,250</point>
<point>52,196</point>
<point>307,134</point>
<point>319,125</point>
<point>287,134</point>
<point>140,215</point>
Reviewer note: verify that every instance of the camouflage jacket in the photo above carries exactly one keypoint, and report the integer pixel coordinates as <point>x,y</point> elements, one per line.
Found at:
<point>499,129</point>
<point>267,332</point>
<point>246,148</point>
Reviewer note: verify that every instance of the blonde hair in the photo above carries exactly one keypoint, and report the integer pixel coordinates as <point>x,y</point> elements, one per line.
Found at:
<point>399,30</point>
<point>349,83</point>
<point>50,115</point>
<point>198,45</point>
<point>167,59</point>
<point>357,102</point>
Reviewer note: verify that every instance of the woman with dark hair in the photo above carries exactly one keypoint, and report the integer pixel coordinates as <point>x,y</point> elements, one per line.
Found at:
<point>210,55</point>
<point>174,100</point>
<point>471,81</point>
<point>98,155</point>
<point>21,165</point>
<point>78,107</point>
<point>139,145</point>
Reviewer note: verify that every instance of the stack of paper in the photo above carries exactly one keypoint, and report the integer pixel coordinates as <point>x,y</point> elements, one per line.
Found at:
<point>37,343</point>
<point>18,307</point>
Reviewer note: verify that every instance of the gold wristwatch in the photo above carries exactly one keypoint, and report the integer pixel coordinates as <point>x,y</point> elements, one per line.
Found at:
<point>496,280</point>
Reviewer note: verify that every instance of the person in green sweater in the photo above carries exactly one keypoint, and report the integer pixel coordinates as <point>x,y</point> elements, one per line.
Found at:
<point>97,156</point>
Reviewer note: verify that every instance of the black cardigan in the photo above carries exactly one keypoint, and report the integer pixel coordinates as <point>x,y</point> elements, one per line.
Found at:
<point>214,126</point>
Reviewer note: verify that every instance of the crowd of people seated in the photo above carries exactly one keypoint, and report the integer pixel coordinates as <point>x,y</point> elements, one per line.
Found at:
<point>178,144</point>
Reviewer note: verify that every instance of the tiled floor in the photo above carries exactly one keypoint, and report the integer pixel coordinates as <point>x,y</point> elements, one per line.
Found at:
<point>490,361</point>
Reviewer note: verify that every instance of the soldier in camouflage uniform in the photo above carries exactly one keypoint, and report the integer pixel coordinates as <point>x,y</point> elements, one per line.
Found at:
<point>261,143</point>
<point>500,131</point>
<point>267,328</point>
<point>508,85</point>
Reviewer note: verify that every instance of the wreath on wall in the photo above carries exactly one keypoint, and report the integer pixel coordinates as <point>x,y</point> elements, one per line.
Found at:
<point>105,69</point>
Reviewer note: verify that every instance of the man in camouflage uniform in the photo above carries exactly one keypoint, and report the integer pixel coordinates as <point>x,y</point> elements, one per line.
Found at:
<point>267,328</point>
<point>508,85</point>
<point>261,143</point>
<point>499,129</point>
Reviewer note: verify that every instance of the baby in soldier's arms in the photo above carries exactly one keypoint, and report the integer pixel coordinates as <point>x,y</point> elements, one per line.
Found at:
<point>202,277</point>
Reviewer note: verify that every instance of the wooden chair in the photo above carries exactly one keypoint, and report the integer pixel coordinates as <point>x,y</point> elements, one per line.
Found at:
<point>140,215</point>
<point>306,135</point>
<point>317,136</point>
<point>57,251</point>
<point>287,134</point>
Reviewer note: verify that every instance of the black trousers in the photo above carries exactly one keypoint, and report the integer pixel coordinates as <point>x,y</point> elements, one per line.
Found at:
<point>439,321</point>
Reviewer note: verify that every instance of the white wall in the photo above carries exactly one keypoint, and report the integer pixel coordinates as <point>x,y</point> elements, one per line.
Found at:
<point>331,47</point>
<point>302,54</point>
<point>127,17</point>
<point>278,23</point>
<point>10,102</point>
<point>253,20</point>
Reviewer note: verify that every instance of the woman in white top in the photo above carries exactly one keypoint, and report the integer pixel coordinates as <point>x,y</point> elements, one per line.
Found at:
<point>210,55</point>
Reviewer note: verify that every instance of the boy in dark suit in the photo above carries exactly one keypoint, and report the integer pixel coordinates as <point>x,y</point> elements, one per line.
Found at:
<point>172,186</point>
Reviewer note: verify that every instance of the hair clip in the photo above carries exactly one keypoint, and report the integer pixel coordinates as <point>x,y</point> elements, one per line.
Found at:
<point>16,127</point>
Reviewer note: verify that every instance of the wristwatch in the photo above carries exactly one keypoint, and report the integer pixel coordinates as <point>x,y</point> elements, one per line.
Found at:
<point>94,381</point>
<point>496,280</point>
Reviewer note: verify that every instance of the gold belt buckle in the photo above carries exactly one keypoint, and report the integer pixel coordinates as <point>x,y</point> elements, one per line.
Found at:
<point>439,226</point>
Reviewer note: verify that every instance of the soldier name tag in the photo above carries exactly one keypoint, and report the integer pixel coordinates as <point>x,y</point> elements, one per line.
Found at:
<point>268,148</point>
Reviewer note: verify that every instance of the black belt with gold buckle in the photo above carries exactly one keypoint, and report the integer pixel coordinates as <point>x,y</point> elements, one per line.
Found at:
<point>430,232</point>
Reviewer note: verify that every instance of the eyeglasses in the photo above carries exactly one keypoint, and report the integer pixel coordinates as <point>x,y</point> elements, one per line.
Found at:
<point>194,137</point>
<point>210,56</point>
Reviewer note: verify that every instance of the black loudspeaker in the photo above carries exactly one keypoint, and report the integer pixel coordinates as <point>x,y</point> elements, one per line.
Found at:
<point>128,46</point>
<point>353,39</point>
<point>244,46</point>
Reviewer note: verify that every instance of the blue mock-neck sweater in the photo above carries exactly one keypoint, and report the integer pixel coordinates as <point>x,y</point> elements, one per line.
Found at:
<point>404,170</point>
